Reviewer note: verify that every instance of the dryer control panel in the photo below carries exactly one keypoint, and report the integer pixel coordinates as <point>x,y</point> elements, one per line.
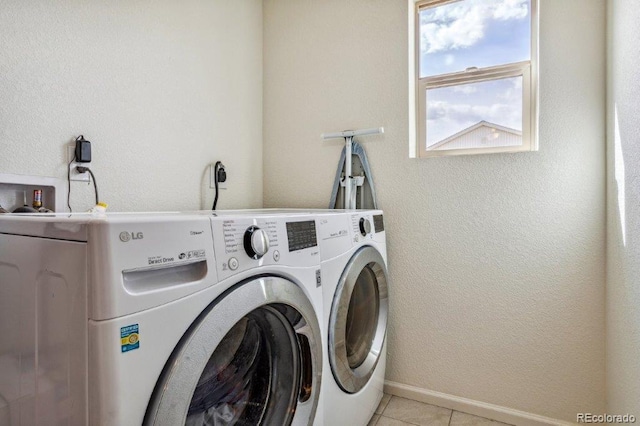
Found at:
<point>341,231</point>
<point>367,226</point>
<point>242,243</point>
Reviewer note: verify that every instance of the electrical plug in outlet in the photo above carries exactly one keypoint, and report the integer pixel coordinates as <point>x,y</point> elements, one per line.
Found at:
<point>222,185</point>
<point>212,182</point>
<point>73,174</point>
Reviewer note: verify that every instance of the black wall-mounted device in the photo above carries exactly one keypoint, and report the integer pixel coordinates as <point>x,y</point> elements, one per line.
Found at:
<point>83,150</point>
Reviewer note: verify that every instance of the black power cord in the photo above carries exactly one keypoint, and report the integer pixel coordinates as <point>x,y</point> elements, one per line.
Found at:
<point>219,175</point>
<point>82,169</point>
<point>81,154</point>
<point>69,182</point>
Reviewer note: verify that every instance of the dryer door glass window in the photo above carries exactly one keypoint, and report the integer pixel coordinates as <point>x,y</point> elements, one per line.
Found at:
<point>253,357</point>
<point>362,317</point>
<point>358,321</point>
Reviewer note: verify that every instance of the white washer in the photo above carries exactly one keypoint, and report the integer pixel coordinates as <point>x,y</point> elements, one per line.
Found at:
<point>160,319</point>
<point>356,305</point>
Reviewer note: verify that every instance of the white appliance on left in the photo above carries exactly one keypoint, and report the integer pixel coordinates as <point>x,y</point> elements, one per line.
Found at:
<point>160,319</point>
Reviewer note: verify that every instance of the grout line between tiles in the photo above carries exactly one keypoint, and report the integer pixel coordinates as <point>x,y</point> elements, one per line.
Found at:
<point>396,420</point>
<point>451,411</point>
<point>387,406</point>
<point>388,400</point>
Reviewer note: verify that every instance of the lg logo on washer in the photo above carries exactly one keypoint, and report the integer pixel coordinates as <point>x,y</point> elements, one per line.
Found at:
<point>128,236</point>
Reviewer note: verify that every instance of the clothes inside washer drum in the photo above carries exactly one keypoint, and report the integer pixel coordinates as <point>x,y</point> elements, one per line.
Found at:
<point>242,381</point>
<point>227,390</point>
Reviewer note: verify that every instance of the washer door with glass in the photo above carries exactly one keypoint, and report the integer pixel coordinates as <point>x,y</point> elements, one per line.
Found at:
<point>358,321</point>
<point>252,358</point>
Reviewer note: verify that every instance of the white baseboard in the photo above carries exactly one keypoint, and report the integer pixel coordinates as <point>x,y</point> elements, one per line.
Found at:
<point>477,408</point>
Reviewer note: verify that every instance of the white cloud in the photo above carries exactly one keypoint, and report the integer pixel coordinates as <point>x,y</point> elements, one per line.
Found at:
<point>463,24</point>
<point>512,92</point>
<point>437,110</point>
<point>511,9</point>
<point>449,59</point>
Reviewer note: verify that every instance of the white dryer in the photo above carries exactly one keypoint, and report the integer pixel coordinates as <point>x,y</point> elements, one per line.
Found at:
<point>160,319</point>
<point>356,305</point>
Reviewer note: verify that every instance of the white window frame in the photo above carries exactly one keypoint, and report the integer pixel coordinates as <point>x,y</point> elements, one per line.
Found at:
<point>418,88</point>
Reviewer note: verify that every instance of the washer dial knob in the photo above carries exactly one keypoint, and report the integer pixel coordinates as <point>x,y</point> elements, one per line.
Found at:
<point>365,226</point>
<point>256,242</point>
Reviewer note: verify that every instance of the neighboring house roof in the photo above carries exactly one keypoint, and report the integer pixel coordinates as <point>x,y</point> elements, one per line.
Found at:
<point>481,133</point>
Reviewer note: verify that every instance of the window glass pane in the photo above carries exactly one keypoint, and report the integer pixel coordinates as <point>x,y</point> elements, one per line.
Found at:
<point>475,115</point>
<point>474,33</point>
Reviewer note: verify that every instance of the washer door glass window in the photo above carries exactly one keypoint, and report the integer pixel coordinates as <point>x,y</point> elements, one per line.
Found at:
<point>265,369</point>
<point>358,320</point>
<point>252,376</point>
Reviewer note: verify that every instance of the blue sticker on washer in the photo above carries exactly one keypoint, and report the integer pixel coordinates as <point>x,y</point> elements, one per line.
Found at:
<point>129,338</point>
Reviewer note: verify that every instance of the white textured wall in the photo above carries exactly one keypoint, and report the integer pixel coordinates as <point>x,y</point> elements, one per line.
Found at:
<point>161,88</point>
<point>623,231</point>
<point>497,260</point>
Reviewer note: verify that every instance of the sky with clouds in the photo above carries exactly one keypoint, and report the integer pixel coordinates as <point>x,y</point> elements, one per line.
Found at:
<point>473,33</point>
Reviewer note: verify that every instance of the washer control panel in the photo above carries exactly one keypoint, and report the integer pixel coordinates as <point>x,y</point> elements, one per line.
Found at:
<point>256,242</point>
<point>242,243</point>
<point>302,235</point>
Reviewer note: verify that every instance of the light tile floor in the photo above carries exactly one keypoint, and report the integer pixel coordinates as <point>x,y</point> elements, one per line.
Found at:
<point>396,411</point>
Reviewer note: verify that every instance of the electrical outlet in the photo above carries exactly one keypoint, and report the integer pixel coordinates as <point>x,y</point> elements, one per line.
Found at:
<point>212,182</point>
<point>73,174</point>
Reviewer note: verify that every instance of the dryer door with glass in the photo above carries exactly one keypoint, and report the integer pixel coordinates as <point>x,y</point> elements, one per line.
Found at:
<point>358,321</point>
<point>252,357</point>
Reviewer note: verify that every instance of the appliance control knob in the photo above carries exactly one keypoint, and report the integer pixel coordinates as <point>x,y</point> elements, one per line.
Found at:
<point>256,242</point>
<point>233,263</point>
<point>365,226</point>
